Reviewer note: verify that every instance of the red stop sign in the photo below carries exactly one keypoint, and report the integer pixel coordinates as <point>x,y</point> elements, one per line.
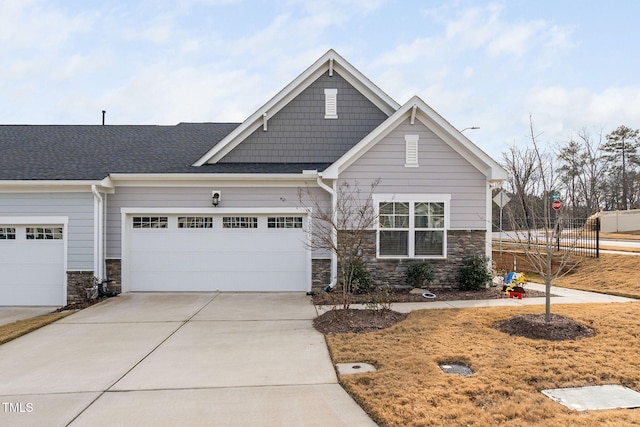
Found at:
<point>556,205</point>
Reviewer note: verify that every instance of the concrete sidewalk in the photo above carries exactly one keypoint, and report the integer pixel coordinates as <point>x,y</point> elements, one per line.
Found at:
<point>167,359</point>
<point>559,296</point>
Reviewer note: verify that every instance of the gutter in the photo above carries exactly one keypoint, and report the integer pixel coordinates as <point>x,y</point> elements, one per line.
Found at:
<point>98,219</point>
<point>334,232</point>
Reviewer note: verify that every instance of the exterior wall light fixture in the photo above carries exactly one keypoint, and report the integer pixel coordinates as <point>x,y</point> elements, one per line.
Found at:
<point>215,197</point>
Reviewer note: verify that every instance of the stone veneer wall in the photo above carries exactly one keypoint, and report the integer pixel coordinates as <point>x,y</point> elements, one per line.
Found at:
<point>320,273</point>
<point>77,282</point>
<point>114,272</point>
<point>460,245</point>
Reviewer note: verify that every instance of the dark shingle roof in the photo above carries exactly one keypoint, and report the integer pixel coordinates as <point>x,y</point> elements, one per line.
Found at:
<point>72,152</point>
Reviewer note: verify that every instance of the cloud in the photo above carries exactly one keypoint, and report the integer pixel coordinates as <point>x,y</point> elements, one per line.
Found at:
<point>563,110</point>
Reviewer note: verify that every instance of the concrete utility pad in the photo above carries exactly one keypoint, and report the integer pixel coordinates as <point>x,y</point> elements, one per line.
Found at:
<point>354,368</point>
<point>595,397</point>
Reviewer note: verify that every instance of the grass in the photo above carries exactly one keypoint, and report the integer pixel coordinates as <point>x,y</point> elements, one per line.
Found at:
<point>611,274</point>
<point>16,329</point>
<point>409,389</point>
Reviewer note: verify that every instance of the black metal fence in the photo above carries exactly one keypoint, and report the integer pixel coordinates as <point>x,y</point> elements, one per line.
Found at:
<point>581,236</point>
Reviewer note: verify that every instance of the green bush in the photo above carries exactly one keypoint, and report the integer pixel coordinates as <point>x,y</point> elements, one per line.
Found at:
<point>358,277</point>
<point>419,274</point>
<point>474,274</point>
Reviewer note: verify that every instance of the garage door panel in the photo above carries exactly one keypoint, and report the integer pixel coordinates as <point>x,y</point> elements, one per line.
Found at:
<point>259,259</point>
<point>31,271</point>
<point>224,281</point>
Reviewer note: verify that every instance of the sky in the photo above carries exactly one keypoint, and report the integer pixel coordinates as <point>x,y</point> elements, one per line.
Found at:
<point>569,65</point>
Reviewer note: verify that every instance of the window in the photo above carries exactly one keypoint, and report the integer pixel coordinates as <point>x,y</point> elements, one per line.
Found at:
<point>239,222</point>
<point>195,222</point>
<point>7,233</point>
<point>331,103</point>
<point>284,222</point>
<point>411,148</point>
<point>44,233</point>
<point>150,222</point>
<point>412,229</point>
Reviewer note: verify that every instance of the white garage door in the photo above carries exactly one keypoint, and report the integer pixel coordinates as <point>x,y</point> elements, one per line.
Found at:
<point>32,266</point>
<point>217,252</point>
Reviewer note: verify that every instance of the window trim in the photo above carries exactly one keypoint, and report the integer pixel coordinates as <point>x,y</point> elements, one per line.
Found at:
<point>412,199</point>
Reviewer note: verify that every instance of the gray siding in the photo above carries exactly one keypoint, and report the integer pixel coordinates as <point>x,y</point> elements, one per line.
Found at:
<point>300,133</point>
<point>77,206</point>
<point>198,197</point>
<point>441,171</point>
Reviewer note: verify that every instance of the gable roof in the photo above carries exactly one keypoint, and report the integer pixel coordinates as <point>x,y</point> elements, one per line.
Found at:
<point>417,109</point>
<point>329,62</point>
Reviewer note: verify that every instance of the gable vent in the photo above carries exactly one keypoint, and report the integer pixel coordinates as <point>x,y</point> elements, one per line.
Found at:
<point>411,146</point>
<point>331,103</point>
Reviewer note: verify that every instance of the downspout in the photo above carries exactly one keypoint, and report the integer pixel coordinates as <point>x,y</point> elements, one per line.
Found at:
<point>334,232</point>
<point>98,208</point>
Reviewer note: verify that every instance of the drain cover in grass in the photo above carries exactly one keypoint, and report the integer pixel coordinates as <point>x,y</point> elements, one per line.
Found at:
<point>456,368</point>
<point>595,397</point>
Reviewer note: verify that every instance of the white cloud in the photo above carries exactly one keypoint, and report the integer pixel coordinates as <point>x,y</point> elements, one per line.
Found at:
<point>563,110</point>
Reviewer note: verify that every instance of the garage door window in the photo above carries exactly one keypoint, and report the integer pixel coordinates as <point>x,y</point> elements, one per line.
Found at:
<point>239,222</point>
<point>7,233</point>
<point>44,233</point>
<point>284,222</point>
<point>150,222</point>
<point>195,222</point>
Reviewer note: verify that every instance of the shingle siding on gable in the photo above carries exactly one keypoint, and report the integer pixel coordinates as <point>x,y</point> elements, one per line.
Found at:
<point>441,170</point>
<point>300,133</point>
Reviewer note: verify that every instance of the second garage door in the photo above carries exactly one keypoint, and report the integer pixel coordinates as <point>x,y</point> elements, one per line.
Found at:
<point>217,252</point>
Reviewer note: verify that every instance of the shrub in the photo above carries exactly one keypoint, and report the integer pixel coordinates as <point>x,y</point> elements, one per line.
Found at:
<point>474,274</point>
<point>419,274</point>
<point>358,277</point>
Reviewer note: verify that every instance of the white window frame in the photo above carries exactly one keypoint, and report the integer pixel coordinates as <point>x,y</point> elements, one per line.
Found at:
<point>412,199</point>
<point>331,103</point>
<point>411,150</point>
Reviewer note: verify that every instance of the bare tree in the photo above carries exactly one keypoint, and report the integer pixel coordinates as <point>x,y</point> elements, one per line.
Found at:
<point>581,172</point>
<point>544,227</point>
<point>342,229</point>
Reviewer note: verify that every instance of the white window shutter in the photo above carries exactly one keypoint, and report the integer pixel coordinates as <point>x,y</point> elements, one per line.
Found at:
<point>411,145</point>
<point>331,103</point>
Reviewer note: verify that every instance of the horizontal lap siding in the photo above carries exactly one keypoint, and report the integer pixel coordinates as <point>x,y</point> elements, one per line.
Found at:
<point>197,197</point>
<point>77,206</point>
<point>441,170</point>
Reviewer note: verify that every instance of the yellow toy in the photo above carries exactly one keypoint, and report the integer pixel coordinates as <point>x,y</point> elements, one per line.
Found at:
<point>514,285</point>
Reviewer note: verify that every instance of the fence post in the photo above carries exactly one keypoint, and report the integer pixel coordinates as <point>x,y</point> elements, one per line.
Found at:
<point>597,237</point>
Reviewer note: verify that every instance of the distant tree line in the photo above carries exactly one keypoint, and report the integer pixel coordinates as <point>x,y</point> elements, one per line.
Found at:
<point>591,172</point>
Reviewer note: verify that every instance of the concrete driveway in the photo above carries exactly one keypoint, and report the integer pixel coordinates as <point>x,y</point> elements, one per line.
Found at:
<point>171,359</point>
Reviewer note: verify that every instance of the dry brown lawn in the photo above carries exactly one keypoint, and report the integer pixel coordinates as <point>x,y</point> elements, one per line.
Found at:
<point>409,389</point>
<point>14,330</point>
<point>611,274</point>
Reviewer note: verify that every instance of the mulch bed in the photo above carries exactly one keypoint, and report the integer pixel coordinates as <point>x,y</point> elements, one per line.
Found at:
<point>335,297</point>
<point>531,326</point>
<point>559,328</point>
<point>356,321</point>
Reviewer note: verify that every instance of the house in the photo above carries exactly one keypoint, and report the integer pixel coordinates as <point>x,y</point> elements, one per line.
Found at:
<point>214,206</point>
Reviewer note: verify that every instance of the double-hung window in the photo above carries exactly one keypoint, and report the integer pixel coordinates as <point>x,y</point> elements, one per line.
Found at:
<point>414,227</point>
